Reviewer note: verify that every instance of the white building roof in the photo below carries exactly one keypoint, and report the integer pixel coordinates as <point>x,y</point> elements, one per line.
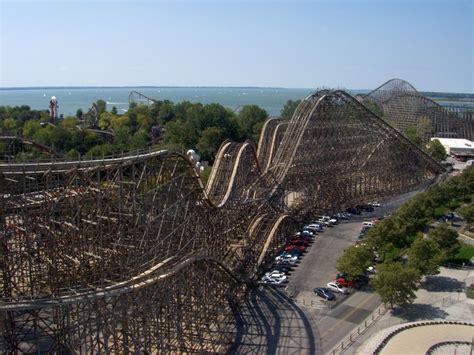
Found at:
<point>457,146</point>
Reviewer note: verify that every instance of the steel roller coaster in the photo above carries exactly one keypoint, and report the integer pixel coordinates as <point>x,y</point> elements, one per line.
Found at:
<point>135,255</point>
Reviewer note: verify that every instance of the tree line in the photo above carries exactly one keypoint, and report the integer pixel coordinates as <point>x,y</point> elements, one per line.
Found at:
<point>163,124</point>
<point>406,244</point>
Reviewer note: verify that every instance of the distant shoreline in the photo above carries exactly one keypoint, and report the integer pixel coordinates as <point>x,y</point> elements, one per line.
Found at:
<point>437,94</point>
<point>148,87</point>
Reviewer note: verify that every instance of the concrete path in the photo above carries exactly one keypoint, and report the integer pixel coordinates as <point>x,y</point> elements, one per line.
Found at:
<point>419,339</point>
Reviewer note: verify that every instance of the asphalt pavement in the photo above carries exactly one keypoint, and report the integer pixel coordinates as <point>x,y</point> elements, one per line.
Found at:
<point>292,319</point>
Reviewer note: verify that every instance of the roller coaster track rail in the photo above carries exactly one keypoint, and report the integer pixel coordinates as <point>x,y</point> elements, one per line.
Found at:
<point>134,254</point>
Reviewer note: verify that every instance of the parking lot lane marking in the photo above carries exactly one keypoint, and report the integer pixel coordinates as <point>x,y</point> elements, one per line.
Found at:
<point>347,316</point>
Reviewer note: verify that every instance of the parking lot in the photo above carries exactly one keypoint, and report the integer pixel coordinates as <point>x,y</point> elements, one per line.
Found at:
<point>304,322</point>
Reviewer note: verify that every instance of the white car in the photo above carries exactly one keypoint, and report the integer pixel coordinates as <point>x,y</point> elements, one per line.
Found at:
<point>374,204</point>
<point>324,222</point>
<point>334,286</point>
<point>289,258</point>
<point>371,270</point>
<point>273,280</point>
<point>275,273</point>
<point>368,224</point>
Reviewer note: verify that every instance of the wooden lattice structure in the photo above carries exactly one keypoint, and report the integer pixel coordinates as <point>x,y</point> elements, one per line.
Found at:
<point>403,106</point>
<point>134,255</point>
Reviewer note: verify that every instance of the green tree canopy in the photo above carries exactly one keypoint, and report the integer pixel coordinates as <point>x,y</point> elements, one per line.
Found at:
<point>355,260</point>
<point>396,284</point>
<point>289,108</point>
<point>436,150</point>
<point>425,256</point>
<point>250,120</point>
<point>101,105</point>
<point>209,143</point>
<point>412,134</point>
<point>467,212</point>
<point>446,238</point>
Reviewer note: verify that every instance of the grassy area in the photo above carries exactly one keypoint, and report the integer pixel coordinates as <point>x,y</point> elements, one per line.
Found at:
<point>392,255</point>
<point>470,292</point>
<point>465,254</point>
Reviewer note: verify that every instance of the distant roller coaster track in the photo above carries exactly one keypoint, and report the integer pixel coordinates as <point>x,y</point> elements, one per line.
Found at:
<point>403,106</point>
<point>30,142</point>
<point>135,255</point>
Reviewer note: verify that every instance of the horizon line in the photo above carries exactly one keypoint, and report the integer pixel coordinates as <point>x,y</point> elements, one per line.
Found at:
<point>3,88</point>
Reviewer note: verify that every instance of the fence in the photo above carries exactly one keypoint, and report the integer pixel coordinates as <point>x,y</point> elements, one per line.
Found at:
<point>361,329</point>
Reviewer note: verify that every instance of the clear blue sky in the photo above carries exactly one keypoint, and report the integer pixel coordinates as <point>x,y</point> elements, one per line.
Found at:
<point>350,44</point>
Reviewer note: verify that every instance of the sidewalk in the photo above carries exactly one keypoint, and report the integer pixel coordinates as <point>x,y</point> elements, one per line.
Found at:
<point>437,299</point>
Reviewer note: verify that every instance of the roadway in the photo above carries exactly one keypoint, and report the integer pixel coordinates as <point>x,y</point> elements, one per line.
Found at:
<point>295,316</point>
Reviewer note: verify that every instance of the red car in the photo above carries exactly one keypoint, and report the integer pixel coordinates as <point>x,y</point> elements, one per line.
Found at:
<point>342,281</point>
<point>299,242</point>
<point>295,247</point>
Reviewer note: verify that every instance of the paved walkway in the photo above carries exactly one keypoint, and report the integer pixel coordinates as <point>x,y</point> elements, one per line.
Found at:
<point>437,299</point>
<point>419,339</point>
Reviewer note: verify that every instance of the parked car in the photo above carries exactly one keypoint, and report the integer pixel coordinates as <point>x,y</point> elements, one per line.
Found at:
<point>309,231</point>
<point>367,224</point>
<point>275,273</point>
<point>325,293</point>
<point>299,241</point>
<point>353,210</point>
<point>314,227</point>
<point>334,286</point>
<point>374,204</point>
<point>371,270</point>
<point>287,258</point>
<point>282,268</point>
<point>306,237</point>
<point>274,280</point>
<point>343,281</point>
<point>291,247</point>
<point>286,262</point>
<point>366,208</point>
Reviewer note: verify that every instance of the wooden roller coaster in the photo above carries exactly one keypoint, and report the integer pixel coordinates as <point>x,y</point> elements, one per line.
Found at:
<point>135,255</point>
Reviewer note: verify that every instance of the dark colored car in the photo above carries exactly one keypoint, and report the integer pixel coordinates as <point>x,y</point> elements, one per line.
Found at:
<point>353,210</point>
<point>366,208</point>
<point>323,292</point>
<point>281,267</point>
<point>302,236</point>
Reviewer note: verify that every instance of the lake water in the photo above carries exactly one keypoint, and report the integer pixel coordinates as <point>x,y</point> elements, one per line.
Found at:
<point>70,99</point>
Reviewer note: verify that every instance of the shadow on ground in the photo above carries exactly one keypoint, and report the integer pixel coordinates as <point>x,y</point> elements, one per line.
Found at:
<point>269,322</point>
<point>416,312</point>
<point>441,284</point>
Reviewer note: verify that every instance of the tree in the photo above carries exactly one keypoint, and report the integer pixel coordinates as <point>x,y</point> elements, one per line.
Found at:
<point>250,119</point>
<point>355,260</point>
<point>467,212</point>
<point>114,110</point>
<point>101,105</point>
<point>9,124</point>
<point>211,139</point>
<point>446,238</point>
<point>425,256</point>
<point>424,128</point>
<point>396,283</point>
<point>289,108</point>
<point>79,113</point>
<point>412,134</point>
<point>374,107</point>
<point>436,150</point>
